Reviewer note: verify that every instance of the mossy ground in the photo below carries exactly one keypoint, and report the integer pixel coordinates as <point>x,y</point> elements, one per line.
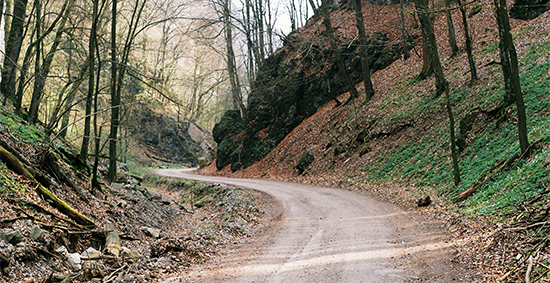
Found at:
<point>426,161</point>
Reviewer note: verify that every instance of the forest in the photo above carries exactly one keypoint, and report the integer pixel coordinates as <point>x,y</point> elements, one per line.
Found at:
<point>445,101</point>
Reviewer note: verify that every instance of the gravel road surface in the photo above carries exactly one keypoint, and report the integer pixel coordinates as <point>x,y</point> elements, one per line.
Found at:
<point>330,235</point>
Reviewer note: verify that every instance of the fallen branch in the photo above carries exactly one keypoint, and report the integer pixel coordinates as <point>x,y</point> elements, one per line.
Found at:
<point>112,276</point>
<point>527,227</point>
<point>538,196</point>
<point>465,194</point>
<point>9,220</point>
<point>529,269</point>
<point>18,167</point>
<point>112,240</point>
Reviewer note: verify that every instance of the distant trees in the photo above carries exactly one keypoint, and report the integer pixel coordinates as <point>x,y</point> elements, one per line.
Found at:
<point>66,68</point>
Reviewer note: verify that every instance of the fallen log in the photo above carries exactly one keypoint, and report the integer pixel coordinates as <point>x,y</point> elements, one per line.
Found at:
<point>113,245</point>
<point>14,164</point>
<point>465,194</point>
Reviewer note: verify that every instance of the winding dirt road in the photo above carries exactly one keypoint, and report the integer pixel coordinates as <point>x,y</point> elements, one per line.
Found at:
<point>330,235</point>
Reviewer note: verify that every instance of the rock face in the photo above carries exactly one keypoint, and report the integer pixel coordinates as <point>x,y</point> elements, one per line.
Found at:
<point>290,86</point>
<point>529,9</point>
<point>168,138</point>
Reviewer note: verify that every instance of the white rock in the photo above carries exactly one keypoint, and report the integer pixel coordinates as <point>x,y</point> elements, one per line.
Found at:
<point>62,250</point>
<point>75,260</point>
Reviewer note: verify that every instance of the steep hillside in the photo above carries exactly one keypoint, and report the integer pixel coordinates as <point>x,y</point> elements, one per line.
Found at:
<point>301,77</point>
<point>397,145</point>
<point>157,136</point>
<point>55,228</point>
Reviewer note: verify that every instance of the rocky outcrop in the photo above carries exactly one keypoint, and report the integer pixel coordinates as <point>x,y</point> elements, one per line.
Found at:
<point>169,139</point>
<point>290,86</point>
<point>529,9</point>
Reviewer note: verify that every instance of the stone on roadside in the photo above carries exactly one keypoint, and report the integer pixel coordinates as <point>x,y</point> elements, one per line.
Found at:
<point>11,236</point>
<point>155,197</point>
<point>126,252</point>
<point>202,202</point>
<point>36,233</point>
<point>75,260</point>
<point>91,253</point>
<point>153,232</point>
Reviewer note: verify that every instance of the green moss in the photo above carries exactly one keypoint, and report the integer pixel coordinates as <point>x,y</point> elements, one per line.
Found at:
<point>19,128</point>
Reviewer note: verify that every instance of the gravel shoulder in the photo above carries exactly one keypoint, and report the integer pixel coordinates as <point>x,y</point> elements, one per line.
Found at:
<point>331,235</point>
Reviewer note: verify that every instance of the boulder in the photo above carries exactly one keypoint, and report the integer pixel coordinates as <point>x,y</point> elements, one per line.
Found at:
<point>37,233</point>
<point>529,9</point>
<point>12,236</point>
<point>152,232</point>
<point>91,253</point>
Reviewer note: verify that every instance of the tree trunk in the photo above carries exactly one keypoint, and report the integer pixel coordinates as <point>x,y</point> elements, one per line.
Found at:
<point>115,99</point>
<point>507,48</point>
<point>369,89</point>
<point>91,83</point>
<point>236,94</point>
<point>404,45</point>
<point>454,154</point>
<point>117,76</point>
<point>336,51</point>
<point>33,109</point>
<point>97,129</point>
<point>431,44</point>
<point>13,48</point>
<point>44,70</point>
<point>427,59</point>
<point>468,43</point>
<point>441,84</point>
<point>451,28</point>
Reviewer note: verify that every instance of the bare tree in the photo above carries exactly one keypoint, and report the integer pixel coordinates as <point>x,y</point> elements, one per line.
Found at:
<point>468,43</point>
<point>336,51</point>
<point>115,99</point>
<point>42,70</point>
<point>451,28</point>
<point>510,70</point>
<point>14,42</point>
<point>442,86</point>
<point>236,94</point>
<point>91,81</point>
<point>369,90</point>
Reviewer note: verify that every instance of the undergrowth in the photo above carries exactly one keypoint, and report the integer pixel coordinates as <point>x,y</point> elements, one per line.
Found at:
<point>426,161</point>
<point>23,132</point>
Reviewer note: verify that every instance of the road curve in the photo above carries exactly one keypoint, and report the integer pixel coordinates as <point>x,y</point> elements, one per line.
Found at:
<point>330,235</point>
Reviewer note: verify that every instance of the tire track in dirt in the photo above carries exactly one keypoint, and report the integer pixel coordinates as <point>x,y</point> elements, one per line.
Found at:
<point>331,235</point>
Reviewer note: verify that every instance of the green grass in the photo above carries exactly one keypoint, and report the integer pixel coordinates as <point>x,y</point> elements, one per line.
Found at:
<point>23,132</point>
<point>426,161</point>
